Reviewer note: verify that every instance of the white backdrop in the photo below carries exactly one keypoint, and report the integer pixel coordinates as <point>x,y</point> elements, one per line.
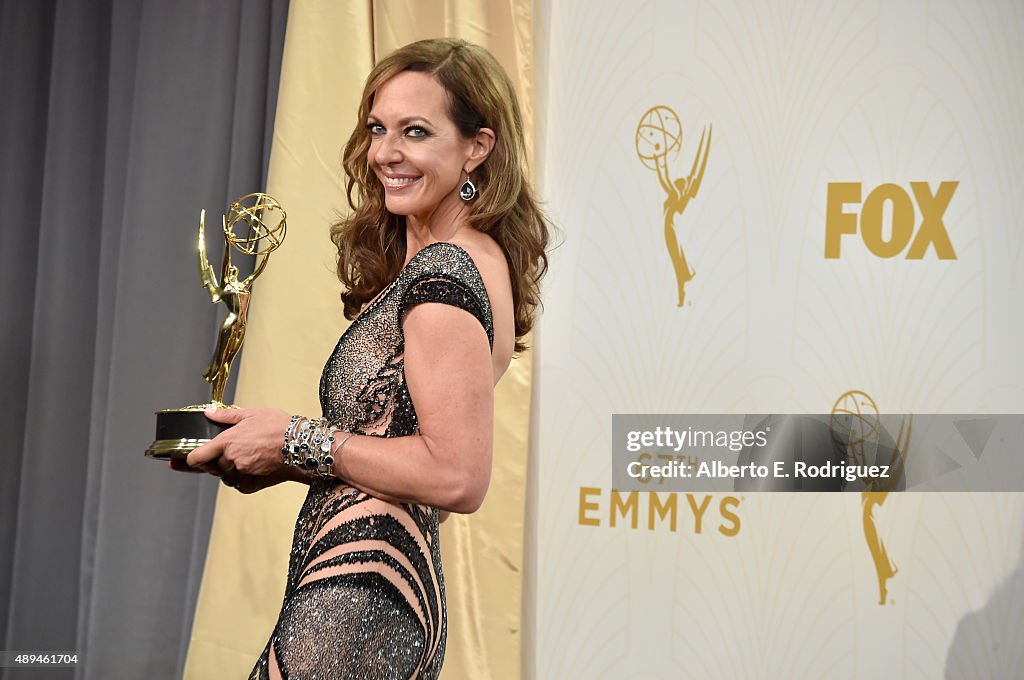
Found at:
<point>800,95</point>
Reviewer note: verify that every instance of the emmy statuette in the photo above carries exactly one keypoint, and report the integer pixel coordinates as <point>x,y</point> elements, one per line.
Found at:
<point>246,229</point>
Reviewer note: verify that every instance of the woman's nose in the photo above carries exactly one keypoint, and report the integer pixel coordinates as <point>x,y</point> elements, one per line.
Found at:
<point>387,151</point>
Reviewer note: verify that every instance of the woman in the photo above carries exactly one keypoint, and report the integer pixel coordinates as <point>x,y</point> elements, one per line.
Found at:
<point>441,258</point>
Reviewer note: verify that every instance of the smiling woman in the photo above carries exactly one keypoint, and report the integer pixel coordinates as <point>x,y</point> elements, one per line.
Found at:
<point>442,258</point>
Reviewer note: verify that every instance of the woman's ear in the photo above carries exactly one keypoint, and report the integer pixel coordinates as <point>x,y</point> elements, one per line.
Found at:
<point>482,145</point>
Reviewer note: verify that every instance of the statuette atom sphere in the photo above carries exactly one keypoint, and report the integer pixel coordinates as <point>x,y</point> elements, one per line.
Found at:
<point>255,224</point>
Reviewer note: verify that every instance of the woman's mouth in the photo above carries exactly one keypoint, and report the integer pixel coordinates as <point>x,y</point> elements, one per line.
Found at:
<point>398,183</point>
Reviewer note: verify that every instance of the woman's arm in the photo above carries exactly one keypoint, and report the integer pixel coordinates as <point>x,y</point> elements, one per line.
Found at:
<point>449,377</point>
<point>447,464</point>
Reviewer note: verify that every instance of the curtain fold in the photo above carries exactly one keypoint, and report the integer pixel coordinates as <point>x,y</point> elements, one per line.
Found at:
<point>129,117</point>
<point>26,64</point>
<point>329,49</point>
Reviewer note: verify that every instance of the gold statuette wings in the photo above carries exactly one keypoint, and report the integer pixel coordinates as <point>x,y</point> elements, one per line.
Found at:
<point>207,275</point>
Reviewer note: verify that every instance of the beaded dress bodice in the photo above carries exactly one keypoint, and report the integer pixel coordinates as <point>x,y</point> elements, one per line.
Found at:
<point>362,387</point>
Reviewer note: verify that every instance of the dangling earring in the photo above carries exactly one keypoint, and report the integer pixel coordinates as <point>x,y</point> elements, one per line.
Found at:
<point>467,192</point>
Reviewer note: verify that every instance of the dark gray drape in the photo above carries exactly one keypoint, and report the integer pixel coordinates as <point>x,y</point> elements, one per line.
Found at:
<point>120,120</point>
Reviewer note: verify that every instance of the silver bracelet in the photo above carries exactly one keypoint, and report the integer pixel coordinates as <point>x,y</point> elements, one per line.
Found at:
<point>288,450</point>
<point>341,446</point>
<point>309,445</point>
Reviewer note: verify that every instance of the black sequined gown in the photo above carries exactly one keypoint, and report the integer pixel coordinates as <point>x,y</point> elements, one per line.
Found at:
<point>365,592</point>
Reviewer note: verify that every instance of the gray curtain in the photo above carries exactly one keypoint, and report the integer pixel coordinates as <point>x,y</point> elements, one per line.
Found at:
<point>120,120</point>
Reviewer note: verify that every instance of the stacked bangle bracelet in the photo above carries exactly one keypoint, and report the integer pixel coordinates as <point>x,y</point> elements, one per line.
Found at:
<point>309,444</point>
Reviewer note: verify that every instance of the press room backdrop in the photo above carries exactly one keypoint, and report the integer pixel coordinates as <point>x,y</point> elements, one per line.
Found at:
<point>856,227</point>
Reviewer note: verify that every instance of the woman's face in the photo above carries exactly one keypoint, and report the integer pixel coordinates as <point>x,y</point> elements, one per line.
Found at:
<point>415,150</point>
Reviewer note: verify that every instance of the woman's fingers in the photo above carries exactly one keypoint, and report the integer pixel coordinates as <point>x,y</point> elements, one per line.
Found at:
<point>179,465</point>
<point>232,415</point>
<point>205,454</point>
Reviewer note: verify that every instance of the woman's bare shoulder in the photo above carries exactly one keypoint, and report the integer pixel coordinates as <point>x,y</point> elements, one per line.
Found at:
<point>486,253</point>
<point>490,260</point>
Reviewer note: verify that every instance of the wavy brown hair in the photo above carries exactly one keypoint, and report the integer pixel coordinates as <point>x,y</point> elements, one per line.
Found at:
<point>371,241</point>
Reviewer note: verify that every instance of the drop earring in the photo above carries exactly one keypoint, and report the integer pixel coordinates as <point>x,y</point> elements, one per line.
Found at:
<point>467,192</point>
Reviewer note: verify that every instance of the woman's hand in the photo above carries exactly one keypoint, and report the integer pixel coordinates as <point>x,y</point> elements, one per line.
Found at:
<point>248,454</point>
<point>245,483</point>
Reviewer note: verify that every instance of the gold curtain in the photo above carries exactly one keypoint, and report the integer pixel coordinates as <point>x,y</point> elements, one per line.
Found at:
<point>296,319</point>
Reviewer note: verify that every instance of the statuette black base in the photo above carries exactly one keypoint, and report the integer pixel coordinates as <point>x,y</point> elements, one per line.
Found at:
<point>180,431</point>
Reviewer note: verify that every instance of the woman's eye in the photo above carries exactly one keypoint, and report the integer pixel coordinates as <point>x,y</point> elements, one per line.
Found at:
<point>375,128</point>
<point>416,132</point>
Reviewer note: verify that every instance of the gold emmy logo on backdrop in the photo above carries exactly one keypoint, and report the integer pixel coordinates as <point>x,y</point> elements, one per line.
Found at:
<point>255,224</point>
<point>658,136</point>
<point>856,425</point>
<point>931,232</point>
